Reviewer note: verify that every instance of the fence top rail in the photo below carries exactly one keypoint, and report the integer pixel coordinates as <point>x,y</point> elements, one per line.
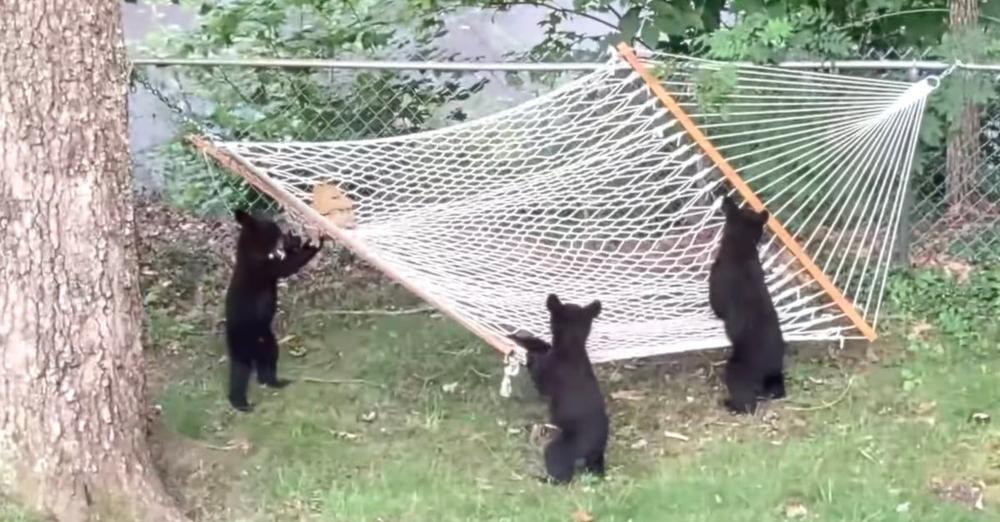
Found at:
<point>373,64</point>
<point>924,65</point>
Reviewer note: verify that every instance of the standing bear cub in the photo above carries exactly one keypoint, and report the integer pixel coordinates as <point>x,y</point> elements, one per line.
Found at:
<point>740,298</point>
<point>263,255</point>
<point>563,373</point>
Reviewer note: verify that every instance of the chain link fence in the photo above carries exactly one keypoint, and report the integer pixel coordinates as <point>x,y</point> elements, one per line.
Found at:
<point>942,228</point>
<point>301,103</point>
<point>289,101</point>
<point>966,228</point>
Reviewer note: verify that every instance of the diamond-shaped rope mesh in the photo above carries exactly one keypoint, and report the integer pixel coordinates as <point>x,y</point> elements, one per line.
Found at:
<point>594,191</point>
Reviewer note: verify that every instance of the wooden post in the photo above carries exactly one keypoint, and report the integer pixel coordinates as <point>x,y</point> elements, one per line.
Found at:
<point>345,238</point>
<point>748,194</point>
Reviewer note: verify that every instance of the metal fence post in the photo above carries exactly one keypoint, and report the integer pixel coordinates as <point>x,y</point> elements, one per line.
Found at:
<point>901,251</point>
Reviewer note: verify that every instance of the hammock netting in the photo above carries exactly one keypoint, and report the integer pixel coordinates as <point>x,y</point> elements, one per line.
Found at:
<point>597,191</point>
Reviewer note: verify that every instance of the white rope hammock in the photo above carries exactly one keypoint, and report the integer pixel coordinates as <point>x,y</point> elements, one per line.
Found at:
<point>598,191</point>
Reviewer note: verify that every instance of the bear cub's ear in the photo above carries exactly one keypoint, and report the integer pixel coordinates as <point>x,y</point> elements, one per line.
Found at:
<point>593,309</point>
<point>242,217</point>
<point>763,216</point>
<point>553,304</point>
<point>729,207</point>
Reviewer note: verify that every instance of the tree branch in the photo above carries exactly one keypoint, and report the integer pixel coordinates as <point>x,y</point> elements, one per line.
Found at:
<point>555,8</point>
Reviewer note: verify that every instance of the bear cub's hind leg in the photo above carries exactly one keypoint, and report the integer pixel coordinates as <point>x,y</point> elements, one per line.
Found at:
<point>239,380</point>
<point>774,386</point>
<point>267,363</point>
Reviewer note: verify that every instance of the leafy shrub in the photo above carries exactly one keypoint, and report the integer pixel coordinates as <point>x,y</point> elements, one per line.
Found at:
<point>960,310</point>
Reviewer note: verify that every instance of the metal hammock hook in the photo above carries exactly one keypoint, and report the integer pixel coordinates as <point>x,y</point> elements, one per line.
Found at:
<point>934,81</point>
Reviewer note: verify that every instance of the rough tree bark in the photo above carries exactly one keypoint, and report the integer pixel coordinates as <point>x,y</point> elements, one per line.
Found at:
<point>963,139</point>
<point>73,422</point>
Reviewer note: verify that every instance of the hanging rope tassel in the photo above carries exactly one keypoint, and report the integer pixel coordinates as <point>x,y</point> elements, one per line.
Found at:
<point>511,368</point>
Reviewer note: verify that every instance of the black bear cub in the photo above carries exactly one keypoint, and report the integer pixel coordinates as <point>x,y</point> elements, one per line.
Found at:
<point>562,371</point>
<point>263,255</point>
<point>739,296</point>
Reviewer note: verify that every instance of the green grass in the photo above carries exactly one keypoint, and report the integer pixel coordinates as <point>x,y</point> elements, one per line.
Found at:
<point>415,430</point>
<point>11,512</point>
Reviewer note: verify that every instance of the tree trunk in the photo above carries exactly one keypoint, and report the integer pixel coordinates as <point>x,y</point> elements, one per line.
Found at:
<point>963,138</point>
<point>73,425</point>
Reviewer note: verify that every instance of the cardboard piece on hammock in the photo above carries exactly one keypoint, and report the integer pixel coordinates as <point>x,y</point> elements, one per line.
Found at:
<point>334,205</point>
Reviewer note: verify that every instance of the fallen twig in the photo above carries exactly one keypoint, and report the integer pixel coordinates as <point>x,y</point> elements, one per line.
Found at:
<point>340,381</point>
<point>478,373</point>
<point>675,435</point>
<point>710,364</point>
<point>228,447</point>
<point>404,311</point>
<point>830,404</point>
<point>867,456</point>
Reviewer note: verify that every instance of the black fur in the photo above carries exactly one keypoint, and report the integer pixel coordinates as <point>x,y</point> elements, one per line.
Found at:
<point>539,357</point>
<point>576,405</point>
<point>739,296</point>
<point>263,255</point>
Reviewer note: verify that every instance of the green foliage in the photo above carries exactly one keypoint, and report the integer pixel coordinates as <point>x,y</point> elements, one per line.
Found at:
<point>299,103</point>
<point>300,28</point>
<point>757,38</point>
<point>712,87</point>
<point>764,30</point>
<point>762,37</point>
<point>13,512</point>
<point>972,45</point>
<point>201,187</point>
<point>956,312</point>
<point>664,24</point>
